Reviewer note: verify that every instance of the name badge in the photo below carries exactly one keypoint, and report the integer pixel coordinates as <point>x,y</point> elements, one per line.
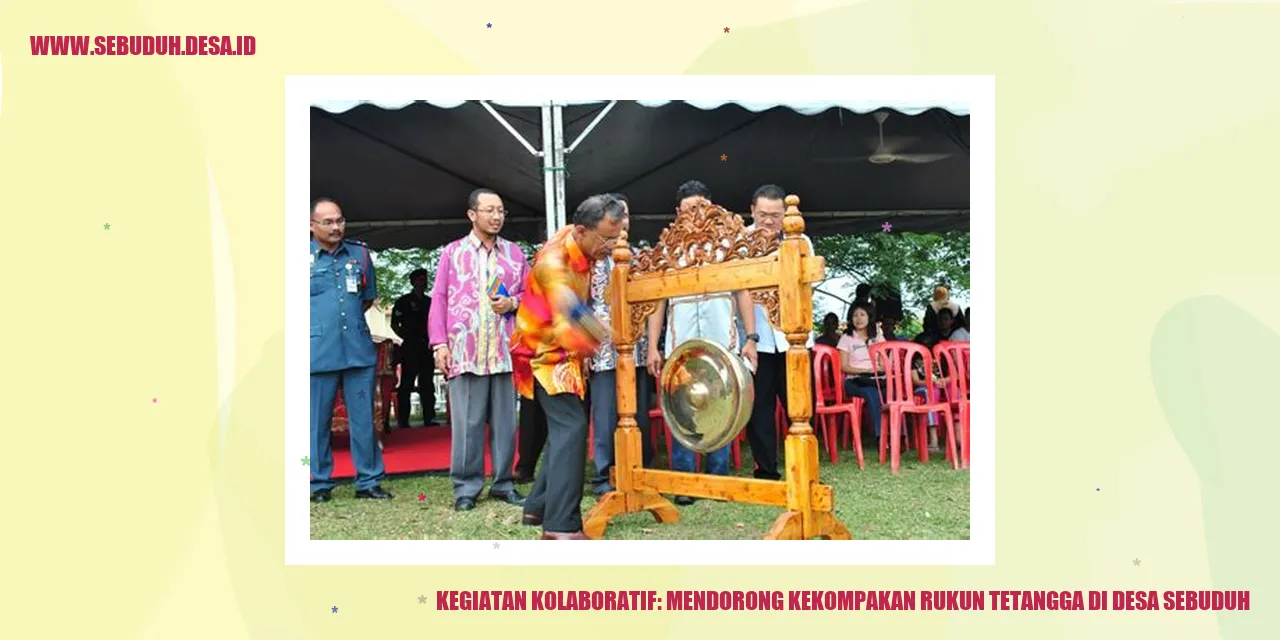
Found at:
<point>353,283</point>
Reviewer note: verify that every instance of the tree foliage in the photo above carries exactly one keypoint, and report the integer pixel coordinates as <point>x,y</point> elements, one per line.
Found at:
<point>913,263</point>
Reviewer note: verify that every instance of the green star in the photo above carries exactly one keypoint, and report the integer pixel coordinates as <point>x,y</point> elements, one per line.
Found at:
<point>107,226</point>
<point>306,461</point>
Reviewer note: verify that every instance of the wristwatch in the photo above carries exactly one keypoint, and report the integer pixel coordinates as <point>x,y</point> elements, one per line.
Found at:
<point>754,337</point>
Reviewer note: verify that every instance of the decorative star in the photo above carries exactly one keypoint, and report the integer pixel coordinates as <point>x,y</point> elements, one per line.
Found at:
<point>488,25</point>
<point>335,609</point>
<point>422,497</point>
<point>306,461</point>
<point>107,226</point>
<point>155,400</point>
<point>495,544</point>
<point>422,599</point>
<point>726,29</point>
<point>724,157</point>
<point>1136,562</point>
<point>362,394</point>
<point>1098,489</point>
<point>887,227</point>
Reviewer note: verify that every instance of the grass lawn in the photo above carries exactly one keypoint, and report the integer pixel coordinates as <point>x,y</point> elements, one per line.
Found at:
<point>924,502</point>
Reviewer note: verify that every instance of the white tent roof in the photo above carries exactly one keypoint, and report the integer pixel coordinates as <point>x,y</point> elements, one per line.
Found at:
<point>807,108</point>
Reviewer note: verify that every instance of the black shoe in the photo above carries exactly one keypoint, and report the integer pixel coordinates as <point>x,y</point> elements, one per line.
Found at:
<point>764,475</point>
<point>464,504</point>
<point>685,501</point>
<point>510,497</point>
<point>324,495</point>
<point>531,520</point>
<point>376,492</point>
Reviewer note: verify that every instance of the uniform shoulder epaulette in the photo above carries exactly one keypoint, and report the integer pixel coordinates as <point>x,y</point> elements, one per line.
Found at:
<point>356,242</point>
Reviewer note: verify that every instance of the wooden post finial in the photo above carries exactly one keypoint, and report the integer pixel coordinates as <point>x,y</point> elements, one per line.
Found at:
<point>622,249</point>
<point>792,221</point>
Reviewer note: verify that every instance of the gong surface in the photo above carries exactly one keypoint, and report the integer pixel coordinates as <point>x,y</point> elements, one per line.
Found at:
<point>707,395</point>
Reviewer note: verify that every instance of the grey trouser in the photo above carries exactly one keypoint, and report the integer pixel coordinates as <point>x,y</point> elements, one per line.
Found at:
<point>473,401</point>
<point>604,417</point>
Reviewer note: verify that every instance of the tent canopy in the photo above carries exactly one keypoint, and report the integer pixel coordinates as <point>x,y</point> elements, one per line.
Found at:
<point>402,171</point>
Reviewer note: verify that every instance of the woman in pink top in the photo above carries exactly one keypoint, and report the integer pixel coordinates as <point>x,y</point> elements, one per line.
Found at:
<point>855,362</point>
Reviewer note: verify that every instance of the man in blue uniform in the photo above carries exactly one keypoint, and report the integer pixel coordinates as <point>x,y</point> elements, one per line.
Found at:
<point>343,287</point>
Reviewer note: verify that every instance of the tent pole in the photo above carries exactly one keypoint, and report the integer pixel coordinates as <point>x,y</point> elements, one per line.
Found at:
<point>557,124</point>
<point>548,177</point>
<point>591,127</point>
<point>507,125</point>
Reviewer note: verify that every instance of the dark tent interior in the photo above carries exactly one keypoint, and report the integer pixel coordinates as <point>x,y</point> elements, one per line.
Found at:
<point>402,175</point>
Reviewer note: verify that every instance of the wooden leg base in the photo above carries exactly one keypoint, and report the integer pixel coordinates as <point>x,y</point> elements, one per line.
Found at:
<point>615,503</point>
<point>790,526</point>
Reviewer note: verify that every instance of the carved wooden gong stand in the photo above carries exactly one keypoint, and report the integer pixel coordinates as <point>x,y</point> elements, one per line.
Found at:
<point>706,250</point>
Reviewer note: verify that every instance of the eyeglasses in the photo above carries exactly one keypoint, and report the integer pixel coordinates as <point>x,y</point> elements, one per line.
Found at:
<point>492,210</point>
<point>336,222</point>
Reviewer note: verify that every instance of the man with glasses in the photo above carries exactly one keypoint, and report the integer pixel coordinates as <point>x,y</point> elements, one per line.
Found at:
<point>343,287</point>
<point>767,210</point>
<point>555,332</point>
<point>478,287</point>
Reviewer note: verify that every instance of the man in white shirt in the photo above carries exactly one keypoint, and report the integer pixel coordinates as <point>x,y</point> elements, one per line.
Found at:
<point>767,209</point>
<point>710,317</point>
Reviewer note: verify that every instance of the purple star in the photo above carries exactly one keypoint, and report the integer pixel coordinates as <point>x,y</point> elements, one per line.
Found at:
<point>887,227</point>
<point>335,609</point>
<point>1099,489</point>
<point>488,25</point>
<point>495,545</point>
<point>362,394</point>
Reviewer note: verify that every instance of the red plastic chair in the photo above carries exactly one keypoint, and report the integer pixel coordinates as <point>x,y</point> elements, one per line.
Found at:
<point>898,397</point>
<point>831,404</point>
<point>954,357</point>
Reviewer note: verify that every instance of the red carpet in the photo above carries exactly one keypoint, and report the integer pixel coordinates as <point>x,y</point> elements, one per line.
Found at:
<point>413,450</point>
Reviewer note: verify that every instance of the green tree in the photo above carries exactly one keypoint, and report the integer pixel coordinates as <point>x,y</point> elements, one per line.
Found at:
<point>911,263</point>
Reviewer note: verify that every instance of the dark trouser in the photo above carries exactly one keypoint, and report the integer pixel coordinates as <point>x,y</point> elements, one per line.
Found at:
<point>762,433</point>
<point>533,436</point>
<point>603,390</point>
<point>416,363</point>
<point>357,395</point>
<point>557,491</point>
<point>644,402</point>
<point>871,406</point>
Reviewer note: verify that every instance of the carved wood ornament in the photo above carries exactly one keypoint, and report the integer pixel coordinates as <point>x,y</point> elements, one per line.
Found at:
<point>703,234</point>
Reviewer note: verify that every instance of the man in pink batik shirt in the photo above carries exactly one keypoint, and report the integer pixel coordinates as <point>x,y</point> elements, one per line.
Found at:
<point>479,282</point>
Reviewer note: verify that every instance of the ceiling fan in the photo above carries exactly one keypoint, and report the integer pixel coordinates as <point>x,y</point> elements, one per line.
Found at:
<point>887,154</point>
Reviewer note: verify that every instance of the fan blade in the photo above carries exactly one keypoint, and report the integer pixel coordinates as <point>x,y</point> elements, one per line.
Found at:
<point>920,158</point>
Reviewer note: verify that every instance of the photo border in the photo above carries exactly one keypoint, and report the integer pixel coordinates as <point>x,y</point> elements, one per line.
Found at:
<point>978,92</point>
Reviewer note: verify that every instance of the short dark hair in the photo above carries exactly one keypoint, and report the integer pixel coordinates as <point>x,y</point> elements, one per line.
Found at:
<point>692,189</point>
<point>473,200</point>
<point>319,201</point>
<point>769,192</point>
<point>622,197</point>
<point>417,273</point>
<point>594,209</point>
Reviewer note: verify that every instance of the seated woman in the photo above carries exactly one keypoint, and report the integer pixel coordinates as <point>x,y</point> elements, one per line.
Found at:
<point>855,363</point>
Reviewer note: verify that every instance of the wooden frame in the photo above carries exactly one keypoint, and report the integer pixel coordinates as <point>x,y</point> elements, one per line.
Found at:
<point>716,255</point>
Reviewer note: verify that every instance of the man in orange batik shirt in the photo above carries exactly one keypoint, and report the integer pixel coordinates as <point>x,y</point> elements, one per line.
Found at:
<point>555,332</point>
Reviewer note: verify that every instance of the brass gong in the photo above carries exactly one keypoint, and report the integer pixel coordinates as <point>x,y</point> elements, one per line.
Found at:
<point>707,395</point>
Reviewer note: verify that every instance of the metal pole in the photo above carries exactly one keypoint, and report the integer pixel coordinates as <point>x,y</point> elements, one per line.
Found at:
<point>557,114</point>
<point>548,180</point>
<point>591,127</point>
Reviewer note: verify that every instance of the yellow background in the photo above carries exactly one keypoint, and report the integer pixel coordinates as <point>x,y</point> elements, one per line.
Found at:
<point>1136,269</point>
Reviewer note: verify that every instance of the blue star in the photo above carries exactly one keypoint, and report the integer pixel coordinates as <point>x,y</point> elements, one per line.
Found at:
<point>335,609</point>
<point>488,25</point>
